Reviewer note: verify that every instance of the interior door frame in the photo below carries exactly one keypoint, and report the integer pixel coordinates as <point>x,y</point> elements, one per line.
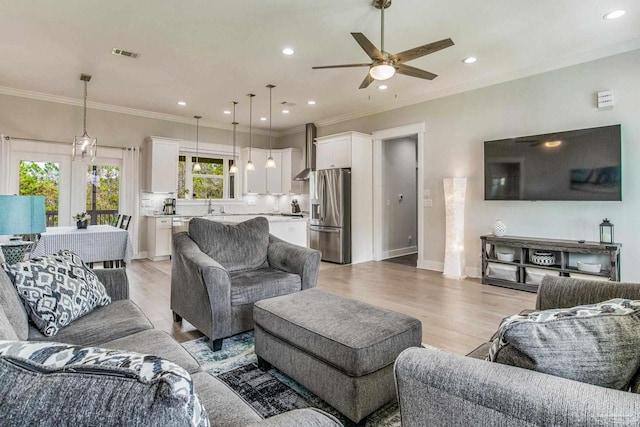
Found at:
<point>378,139</point>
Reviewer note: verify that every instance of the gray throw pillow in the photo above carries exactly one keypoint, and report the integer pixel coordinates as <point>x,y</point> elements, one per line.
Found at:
<point>237,247</point>
<point>57,289</point>
<point>88,386</point>
<point>597,344</point>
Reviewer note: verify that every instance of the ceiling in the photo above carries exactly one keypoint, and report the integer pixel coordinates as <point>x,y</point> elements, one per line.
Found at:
<point>208,53</point>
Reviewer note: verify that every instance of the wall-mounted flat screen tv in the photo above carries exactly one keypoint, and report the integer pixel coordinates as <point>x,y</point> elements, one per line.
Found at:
<point>580,164</point>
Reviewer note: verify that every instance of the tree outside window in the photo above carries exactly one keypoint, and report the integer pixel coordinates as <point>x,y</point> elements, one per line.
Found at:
<point>102,189</point>
<point>42,179</point>
<point>209,182</point>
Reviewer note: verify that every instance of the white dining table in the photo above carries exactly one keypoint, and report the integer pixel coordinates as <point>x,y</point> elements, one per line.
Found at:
<point>96,243</point>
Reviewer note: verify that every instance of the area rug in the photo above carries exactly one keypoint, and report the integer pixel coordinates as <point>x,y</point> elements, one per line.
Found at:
<point>269,392</point>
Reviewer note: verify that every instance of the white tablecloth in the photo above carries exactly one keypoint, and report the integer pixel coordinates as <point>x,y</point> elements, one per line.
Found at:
<point>94,244</point>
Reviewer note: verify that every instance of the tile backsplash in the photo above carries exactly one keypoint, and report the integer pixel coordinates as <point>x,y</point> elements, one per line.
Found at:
<point>152,203</point>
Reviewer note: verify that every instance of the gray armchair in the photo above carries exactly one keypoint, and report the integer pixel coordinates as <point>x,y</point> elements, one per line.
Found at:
<point>218,271</point>
<point>437,388</point>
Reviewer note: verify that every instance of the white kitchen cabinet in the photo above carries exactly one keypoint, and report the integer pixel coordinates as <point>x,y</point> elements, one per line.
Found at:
<point>159,238</point>
<point>353,150</point>
<point>334,152</point>
<point>161,165</point>
<point>274,175</point>
<point>278,180</point>
<point>290,231</point>
<point>290,165</point>
<point>254,181</point>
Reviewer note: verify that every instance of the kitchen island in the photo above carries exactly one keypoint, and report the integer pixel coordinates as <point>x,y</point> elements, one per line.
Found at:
<point>292,229</point>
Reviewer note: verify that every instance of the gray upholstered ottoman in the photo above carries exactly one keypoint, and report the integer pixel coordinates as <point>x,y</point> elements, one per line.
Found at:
<point>341,349</point>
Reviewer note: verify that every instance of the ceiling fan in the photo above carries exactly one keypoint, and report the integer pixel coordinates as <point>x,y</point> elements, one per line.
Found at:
<point>386,64</point>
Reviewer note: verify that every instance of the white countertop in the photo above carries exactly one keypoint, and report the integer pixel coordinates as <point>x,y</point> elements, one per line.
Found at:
<point>244,217</point>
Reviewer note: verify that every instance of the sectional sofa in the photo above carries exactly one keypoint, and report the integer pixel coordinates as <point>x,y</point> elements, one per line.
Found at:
<point>122,326</point>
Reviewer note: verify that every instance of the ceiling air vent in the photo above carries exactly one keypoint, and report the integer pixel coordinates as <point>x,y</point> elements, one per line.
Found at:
<point>121,52</point>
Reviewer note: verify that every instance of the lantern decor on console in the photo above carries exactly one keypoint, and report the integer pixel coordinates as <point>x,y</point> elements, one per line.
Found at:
<point>606,231</point>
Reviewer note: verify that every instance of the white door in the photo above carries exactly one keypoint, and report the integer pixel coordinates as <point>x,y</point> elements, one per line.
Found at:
<point>36,172</point>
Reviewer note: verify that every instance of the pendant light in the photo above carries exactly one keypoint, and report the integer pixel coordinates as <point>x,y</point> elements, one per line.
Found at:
<point>250,165</point>
<point>270,162</point>
<point>84,145</point>
<point>196,165</point>
<point>234,168</point>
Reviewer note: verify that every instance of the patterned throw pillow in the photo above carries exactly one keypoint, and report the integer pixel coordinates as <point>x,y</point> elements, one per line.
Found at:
<point>162,391</point>
<point>57,289</point>
<point>596,344</point>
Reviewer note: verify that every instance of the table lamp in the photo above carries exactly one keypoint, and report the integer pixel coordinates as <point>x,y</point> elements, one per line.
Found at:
<point>20,215</point>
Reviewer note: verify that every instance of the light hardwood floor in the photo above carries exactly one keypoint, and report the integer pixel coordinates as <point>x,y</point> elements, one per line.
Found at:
<point>456,315</point>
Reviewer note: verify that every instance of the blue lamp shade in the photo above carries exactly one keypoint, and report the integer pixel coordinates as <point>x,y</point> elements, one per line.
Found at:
<point>22,215</point>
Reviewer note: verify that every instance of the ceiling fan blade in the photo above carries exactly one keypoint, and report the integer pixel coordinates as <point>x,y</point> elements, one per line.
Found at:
<point>366,82</point>
<point>419,51</point>
<point>414,72</point>
<point>342,66</point>
<point>368,47</point>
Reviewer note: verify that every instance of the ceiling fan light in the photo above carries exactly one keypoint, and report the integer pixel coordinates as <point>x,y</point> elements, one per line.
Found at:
<point>382,71</point>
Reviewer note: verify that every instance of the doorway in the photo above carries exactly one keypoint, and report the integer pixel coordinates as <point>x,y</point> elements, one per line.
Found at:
<point>398,157</point>
<point>399,195</point>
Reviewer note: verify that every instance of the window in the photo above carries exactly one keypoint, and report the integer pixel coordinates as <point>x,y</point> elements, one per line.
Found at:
<point>213,181</point>
<point>102,193</point>
<point>42,178</point>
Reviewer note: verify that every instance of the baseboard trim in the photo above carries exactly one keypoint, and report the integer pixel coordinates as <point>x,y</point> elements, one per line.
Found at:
<point>473,272</point>
<point>431,265</point>
<point>399,252</point>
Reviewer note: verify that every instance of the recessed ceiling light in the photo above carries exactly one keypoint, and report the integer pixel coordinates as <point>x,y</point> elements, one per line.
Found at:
<point>614,14</point>
<point>288,51</point>
<point>383,87</point>
<point>227,112</point>
<point>285,111</point>
<point>182,103</point>
<point>311,102</point>
<point>264,119</point>
<point>469,59</point>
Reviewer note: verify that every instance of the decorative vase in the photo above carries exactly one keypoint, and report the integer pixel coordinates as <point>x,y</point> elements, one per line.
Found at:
<point>82,224</point>
<point>499,228</point>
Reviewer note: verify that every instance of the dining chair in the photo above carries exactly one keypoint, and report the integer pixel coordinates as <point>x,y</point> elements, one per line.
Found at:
<point>115,221</point>
<point>124,223</point>
<point>121,222</point>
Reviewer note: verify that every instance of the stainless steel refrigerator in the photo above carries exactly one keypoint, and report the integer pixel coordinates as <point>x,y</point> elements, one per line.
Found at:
<point>330,218</point>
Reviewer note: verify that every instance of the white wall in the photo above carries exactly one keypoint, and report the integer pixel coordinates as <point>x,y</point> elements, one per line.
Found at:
<point>36,119</point>
<point>456,127</point>
<point>399,216</point>
<point>565,99</point>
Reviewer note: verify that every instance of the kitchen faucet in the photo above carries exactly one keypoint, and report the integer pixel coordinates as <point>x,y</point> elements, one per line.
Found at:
<point>211,209</point>
<point>221,209</point>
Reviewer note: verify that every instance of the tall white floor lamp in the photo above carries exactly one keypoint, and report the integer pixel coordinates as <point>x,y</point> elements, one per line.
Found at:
<point>454,195</point>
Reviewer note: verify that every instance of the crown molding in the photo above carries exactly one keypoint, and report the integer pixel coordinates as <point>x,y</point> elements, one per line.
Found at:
<point>569,61</point>
<point>124,110</point>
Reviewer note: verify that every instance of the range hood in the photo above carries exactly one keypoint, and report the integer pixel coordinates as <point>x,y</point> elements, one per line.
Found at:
<point>309,154</point>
